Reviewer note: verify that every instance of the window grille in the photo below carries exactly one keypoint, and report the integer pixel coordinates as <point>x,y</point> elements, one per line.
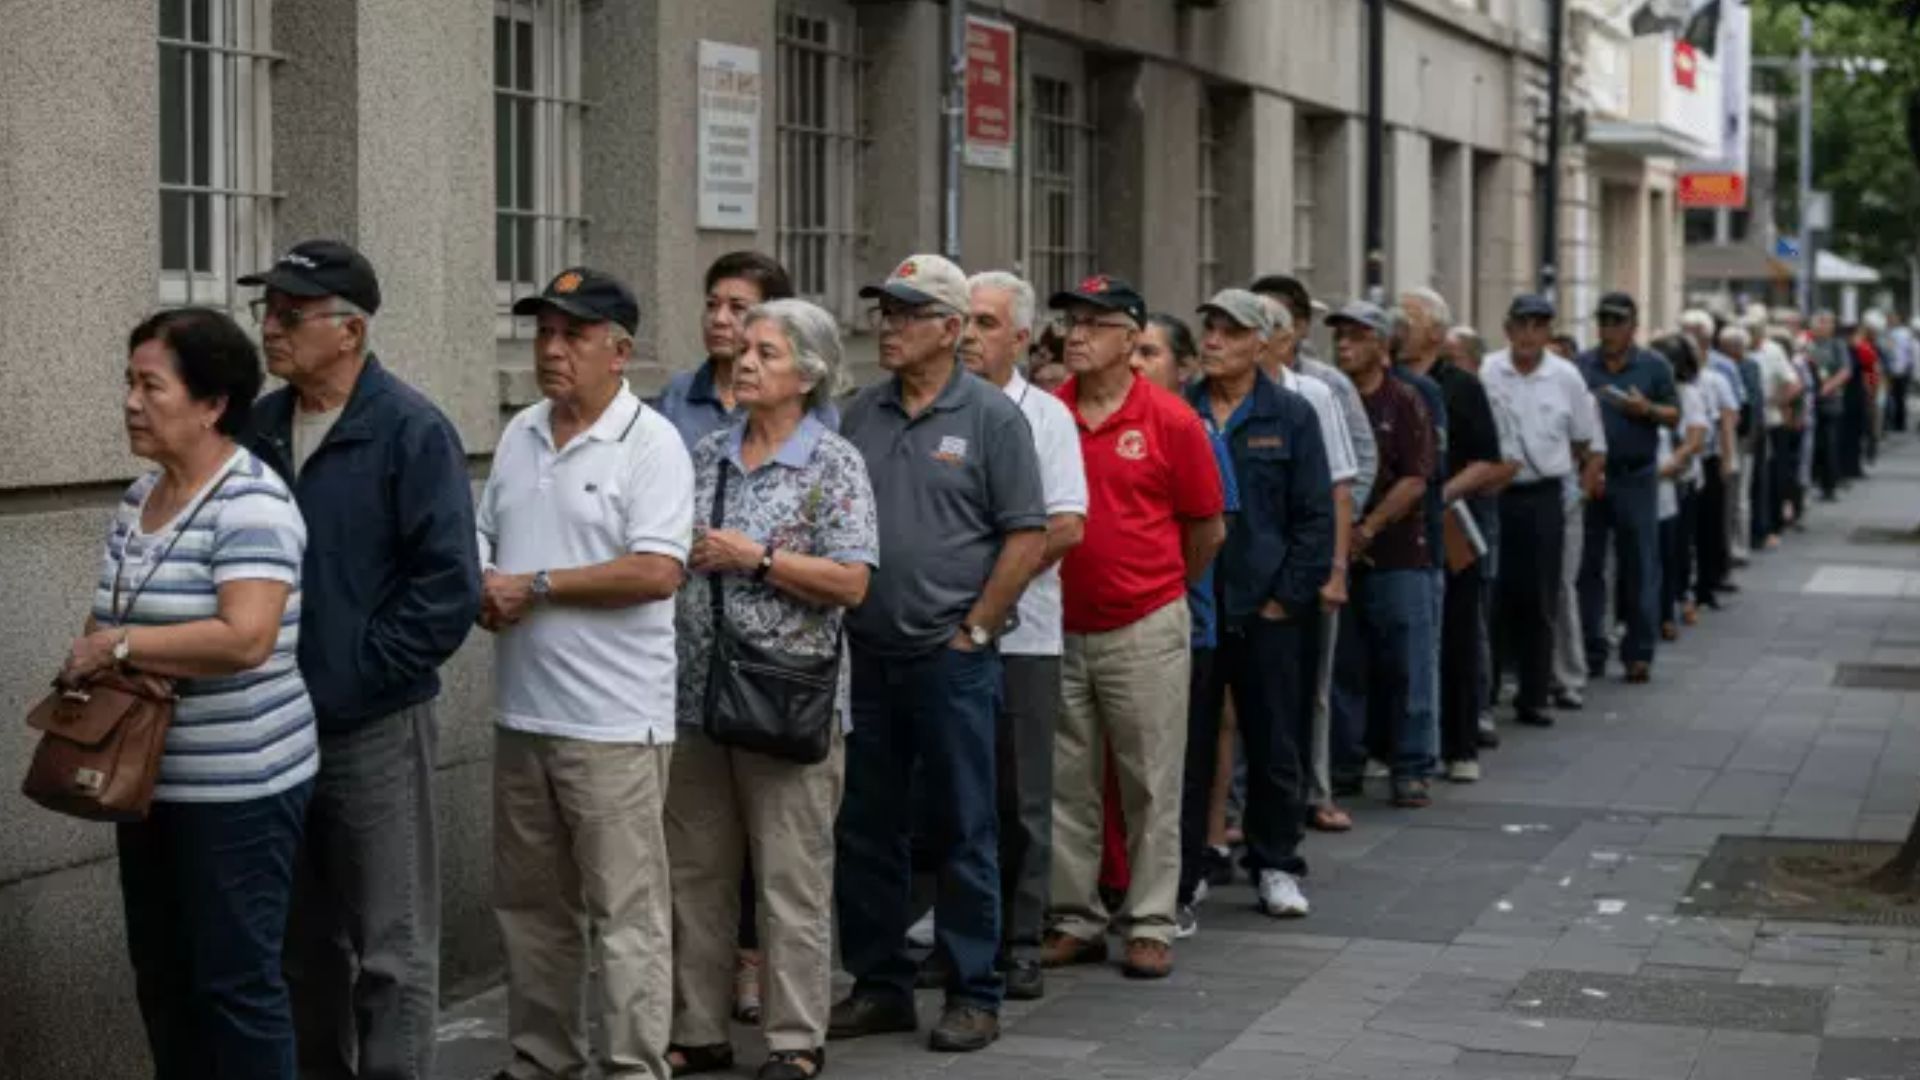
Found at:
<point>821,139</point>
<point>1306,166</point>
<point>538,114</point>
<point>1207,193</point>
<point>1059,186</point>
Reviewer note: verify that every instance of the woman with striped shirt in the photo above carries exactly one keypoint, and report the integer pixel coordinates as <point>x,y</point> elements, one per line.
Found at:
<point>200,584</point>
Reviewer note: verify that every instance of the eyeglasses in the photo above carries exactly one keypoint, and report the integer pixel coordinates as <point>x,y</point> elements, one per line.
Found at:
<point>1067,324</point>
<point>883,319</point>
<point>290,317</point>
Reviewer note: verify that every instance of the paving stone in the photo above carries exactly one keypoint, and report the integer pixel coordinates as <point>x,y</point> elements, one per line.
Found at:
<point>1621,1051</point>
<point>1868,1059</point>
<point>1755,1055</point>
<point>1670,1002</point>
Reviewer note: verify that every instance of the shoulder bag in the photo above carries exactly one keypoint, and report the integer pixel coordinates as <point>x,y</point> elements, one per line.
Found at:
<point>765,700</point>
<point>101,743</point>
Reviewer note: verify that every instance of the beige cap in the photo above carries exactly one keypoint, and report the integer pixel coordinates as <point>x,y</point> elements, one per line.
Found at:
<point>925,279</point>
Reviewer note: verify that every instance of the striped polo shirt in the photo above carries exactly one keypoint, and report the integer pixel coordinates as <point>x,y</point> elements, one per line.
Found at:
<point>236,737</point>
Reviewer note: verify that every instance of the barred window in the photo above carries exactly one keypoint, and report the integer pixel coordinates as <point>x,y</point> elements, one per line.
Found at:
<point>822,136</point>
<point>537,117</point>
<point>1059,186</point>
<point>215,94</point>
<point>1306,164</point>
<point>1207,193</point>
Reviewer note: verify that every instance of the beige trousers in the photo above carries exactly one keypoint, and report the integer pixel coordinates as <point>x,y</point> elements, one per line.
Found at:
<point>578,856</point>
<point>1127,687</point>
<point>723,806</point>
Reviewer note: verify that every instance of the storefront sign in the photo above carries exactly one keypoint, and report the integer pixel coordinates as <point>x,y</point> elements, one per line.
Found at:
<point>729,134</point>
<point>990,94</point>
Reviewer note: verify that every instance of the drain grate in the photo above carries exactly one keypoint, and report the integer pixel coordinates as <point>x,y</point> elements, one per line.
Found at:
<point>1641,999</point>
<point>1881,534</point>
<point>1811,880</point>
<point>1877,676</point>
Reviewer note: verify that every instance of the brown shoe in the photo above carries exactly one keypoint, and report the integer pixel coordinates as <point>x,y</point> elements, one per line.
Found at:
<point>1639,672</point>
<point>1148,959</point>
<point>1061,949</point>
<point>964,1029</point>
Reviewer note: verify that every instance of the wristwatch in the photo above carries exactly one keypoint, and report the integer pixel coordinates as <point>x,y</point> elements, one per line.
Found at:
<point>979,635</point>
<point>542,586</point>
<point>765,566</point>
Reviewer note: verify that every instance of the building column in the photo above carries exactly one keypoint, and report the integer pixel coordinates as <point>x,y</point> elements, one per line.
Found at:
<point>1504,212</point>
<point>1147,160</point>
<point>906,57</point>
<point>1409,200</point>
<point>1269,145</point>
<point>1340,194</point>
<point>1454,228</point>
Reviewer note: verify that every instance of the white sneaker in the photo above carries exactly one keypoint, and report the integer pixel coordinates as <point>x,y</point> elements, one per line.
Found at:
<point>1280,895</point>
<point>920,934</point>
<point>1200,890</point>
<point>1376,770</point>
<point>1186,922</point>
<point>1463,772</point>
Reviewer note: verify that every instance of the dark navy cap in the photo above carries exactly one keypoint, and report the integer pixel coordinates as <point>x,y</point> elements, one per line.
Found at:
<point>323,268</point>
<point>1618,303</point>
<point>588,294</point>
<point>1530,306</point>
<point>1104,291</point>
<point>1364,314</point>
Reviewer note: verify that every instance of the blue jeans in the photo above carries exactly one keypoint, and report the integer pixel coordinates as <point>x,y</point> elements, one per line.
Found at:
<point>928,717</point>
<point>1383,695</point>
<point>1628,516</point>
<point>205,888</point>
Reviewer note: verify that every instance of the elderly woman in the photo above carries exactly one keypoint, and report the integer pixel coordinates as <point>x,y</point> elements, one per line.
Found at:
<point>199,586</point>
<point>794,549</point>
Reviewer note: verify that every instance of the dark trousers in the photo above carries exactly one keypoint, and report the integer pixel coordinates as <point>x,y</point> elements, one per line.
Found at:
<point>930,718</point>
<point>205,888</point>
<point>1785,467</point>
<point>1532,542</point>
<point>1196,776</point>
<point>1023,759</point>
<point>1760,495</point>
<point>1460,667</point>
<point>363,943</point>
<point>1826,452</point>
<point>1897,388</point>
<point>1710,534</point>
<point>1676,554</point>
<point>1625,521</point>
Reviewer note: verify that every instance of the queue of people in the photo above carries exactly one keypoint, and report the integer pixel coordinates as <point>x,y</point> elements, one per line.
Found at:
<point>1053,654</point>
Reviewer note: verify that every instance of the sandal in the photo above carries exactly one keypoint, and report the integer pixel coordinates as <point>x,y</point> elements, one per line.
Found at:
<point>793,1065</point>
<point>693,1060</point>
<point>1330,818</point>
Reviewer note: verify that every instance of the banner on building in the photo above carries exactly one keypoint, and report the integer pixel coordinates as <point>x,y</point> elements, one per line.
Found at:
<point>1720,180</point>
<point>990,94</point>
<point>729,133</point>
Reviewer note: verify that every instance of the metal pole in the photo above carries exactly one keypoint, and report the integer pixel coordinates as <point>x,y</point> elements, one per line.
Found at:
<point>1550,184</point>
<point>1376,269</point>
<point>956,121</point>
<point>1806,290</point>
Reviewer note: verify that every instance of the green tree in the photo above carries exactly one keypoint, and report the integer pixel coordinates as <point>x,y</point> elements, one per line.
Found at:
<point>1860,142</point>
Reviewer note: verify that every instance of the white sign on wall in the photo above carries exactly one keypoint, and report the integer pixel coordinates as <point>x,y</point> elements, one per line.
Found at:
<point>729,134</point>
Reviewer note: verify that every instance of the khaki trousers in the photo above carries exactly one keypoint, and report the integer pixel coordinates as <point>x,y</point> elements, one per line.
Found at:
<point>579,856</point>
<point>1127,688</point>
<point>722,806</point>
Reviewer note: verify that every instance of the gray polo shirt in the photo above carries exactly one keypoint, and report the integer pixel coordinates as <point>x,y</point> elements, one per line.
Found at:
<point>948,485</point>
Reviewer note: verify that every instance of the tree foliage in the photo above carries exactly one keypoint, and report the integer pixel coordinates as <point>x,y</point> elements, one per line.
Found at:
<point>1861,150</point>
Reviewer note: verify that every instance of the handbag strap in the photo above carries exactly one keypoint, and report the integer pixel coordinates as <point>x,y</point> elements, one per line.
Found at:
<point>715,519</point>
<point>113,601</point>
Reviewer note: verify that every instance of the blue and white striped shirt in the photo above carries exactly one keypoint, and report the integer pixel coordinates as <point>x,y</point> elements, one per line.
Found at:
<point>235,737</point>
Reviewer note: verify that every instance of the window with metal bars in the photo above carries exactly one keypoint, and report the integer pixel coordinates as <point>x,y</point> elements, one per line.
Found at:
<point>215,98</point>
<point>1306,165</point>
<point>1207,194</point>
<point>1059,185</point>
<point>821,138</point>
<point>539,228</point>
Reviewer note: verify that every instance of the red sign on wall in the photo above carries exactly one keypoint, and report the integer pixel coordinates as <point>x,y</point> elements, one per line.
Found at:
<point>990,90</point>
<point>1686,65</point>
<point>1713,190</point>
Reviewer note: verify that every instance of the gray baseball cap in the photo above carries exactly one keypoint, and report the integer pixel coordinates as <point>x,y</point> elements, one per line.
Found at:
<point>1361,313</point>
<point>1246,309</point>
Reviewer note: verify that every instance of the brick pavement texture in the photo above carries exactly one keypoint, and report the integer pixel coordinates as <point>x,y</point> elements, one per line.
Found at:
<point>1536,926</point>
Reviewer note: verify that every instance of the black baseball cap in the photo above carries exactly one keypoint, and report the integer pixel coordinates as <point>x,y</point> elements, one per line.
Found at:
<point>323,268</point>
<point>1617,303</point>
<point>1530,306</point>
<point>1289,289</point>
<point>585,293</point>
<point>1104,291</point>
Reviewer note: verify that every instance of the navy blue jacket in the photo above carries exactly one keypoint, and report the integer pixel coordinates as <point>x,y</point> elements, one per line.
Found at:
<point>391,582</point>
<point>1280,544</point>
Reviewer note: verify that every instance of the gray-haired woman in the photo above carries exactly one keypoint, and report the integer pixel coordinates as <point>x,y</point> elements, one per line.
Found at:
<point>798,543</point>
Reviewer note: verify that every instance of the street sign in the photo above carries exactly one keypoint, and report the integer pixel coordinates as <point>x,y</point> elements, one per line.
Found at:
<point>1819,210</point>
<point>1786,247</point>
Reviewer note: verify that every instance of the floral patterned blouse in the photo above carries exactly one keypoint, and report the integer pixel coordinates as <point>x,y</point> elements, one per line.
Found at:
<point>811,497</point>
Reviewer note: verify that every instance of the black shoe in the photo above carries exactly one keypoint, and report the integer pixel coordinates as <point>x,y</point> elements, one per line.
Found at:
<point>1533,718</point>
<point>861,1015</point>
<point>964,1029</point>
<point>1026,981</point>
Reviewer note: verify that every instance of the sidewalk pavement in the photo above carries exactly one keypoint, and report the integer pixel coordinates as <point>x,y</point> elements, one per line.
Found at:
<point>1535,926</point>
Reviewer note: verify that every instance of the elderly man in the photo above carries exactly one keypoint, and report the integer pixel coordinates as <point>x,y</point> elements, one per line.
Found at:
<point>584,528</point>
<point>1392,609</point>
<point>963,522</point>
<point>1720,382</point>
<point>393,585</point>
<point>1742,350</point>
<point>1833,370</point>
<point>1637,397</point>
<point>997,335</point>
<point>1155,491</point>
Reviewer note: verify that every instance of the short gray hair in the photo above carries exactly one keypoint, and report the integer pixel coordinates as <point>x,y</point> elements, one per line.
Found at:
<point>1696,320</point>
<point>813,336</point>
<point>1435,304</point>
<point>1732,336</point>
<point>1282,316</point>
<point>1013,285</point>
<point>1470,338</point>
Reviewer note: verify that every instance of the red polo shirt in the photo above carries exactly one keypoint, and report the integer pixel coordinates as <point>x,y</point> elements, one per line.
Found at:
<point>1149,469</point>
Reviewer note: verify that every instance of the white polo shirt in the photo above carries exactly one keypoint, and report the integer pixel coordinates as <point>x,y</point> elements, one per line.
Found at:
<point>1550,410</point>
<point>623,486</point>
<point>1333,423</point>
<point>1063,482</point>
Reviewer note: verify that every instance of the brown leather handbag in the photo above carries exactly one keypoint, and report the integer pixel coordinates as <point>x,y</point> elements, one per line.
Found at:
<point>101,742</point>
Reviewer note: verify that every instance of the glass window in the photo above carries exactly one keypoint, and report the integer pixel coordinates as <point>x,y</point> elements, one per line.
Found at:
<point>1059,185</point>
<point>539,228</point>
<point>821,139</point>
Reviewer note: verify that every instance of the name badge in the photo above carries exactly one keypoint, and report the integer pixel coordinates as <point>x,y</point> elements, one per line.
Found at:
<point>1265,442</point>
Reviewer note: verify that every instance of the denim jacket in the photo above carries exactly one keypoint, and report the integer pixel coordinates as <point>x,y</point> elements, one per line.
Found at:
<point>1280,545</point>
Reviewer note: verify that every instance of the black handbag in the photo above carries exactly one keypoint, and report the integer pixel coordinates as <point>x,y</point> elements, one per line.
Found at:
<point>765,700</point>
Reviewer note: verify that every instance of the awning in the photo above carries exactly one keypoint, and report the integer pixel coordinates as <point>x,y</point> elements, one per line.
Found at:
<point>1642,139</point>
<point>1752,262</point>
<point>1831,269</point>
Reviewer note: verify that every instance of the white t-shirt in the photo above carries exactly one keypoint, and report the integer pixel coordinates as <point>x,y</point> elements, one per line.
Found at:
<point>1776,372</point>
<point>1333,423</point>
<point>1550,410</point>
<point>1668,502</point>
<point>1063,482</point>
<point>1719,393</point>
<point>623,486</point>
<point>309,431</point>
<point>1696,404</point>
